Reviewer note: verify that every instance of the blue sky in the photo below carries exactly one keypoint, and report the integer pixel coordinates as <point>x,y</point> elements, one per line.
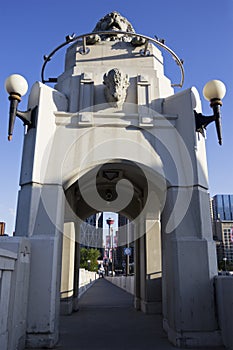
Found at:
<point>200,32</point>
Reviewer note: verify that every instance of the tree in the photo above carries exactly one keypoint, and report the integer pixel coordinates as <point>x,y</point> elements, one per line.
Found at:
<point>89,254</point>
<point>229,265</point>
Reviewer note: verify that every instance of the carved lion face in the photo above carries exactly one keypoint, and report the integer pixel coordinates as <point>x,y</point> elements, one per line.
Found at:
<point>116,84</point>
<point>114,21</point>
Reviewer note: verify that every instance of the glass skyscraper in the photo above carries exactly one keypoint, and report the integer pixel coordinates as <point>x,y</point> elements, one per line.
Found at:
<point>222,212</point>
<point>222,205</point>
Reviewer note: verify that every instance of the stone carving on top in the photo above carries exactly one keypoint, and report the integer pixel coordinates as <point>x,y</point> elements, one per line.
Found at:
<point>113,21</point>
<point>116,85</point>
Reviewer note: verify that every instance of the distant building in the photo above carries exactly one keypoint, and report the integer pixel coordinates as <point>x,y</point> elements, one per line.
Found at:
<point>2,228</point>
<point>125,238</point>
<point>222,219</point>
<point>222,206</point>
<point>91,231</point>
<point>224,237</point>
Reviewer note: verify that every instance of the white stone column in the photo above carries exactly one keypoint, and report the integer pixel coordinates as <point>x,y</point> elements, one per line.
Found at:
<point>67,274</point>
<point>151,272</point>
<point>137,302</point>
<point>190,266</point>
<point>76,266</point>
<point>40,216</point>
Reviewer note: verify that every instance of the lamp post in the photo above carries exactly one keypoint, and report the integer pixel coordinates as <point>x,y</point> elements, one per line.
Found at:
<point>110,222</point>
<point>88,265</point>
<point>128,250</point>
<point>213,91</point>
<point>225,263</point>
<point>16,86</point>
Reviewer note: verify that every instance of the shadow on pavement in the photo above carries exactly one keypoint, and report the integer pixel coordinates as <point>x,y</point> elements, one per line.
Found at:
<point>107,320</point>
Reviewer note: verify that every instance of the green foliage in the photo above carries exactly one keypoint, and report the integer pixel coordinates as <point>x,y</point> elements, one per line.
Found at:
<point>229,266</point>
<point>89,254</point>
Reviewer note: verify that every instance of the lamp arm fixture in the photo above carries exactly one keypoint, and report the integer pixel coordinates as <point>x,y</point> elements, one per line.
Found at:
<point>144,52</point>
<point>27,117</point>
<point>203,121</point>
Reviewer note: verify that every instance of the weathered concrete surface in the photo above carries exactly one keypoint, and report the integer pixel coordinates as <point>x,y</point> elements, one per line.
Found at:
<point>14,280</point>
<point>107,320</point>
<point>224,296</point>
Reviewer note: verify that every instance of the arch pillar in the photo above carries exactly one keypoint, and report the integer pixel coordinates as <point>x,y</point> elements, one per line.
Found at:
<point>150,268</point>
<point>67,272</point>
<point>40,216</point>
<point>70,268</point>
<point>76,266</point>
<point>189,256</point>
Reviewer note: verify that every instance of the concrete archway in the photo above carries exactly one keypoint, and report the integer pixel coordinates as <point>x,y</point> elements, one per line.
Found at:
<point>144,211</point>
<point>50,168</point>
<point>141,157</point>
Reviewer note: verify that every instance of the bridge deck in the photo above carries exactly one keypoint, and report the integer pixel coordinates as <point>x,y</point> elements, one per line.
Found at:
<point>107,320</point>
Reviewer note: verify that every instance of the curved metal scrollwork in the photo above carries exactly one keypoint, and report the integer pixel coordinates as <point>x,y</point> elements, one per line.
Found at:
<point>85,50</point>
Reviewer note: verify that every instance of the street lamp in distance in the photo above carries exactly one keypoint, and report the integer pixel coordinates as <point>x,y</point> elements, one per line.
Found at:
<point>110,222</point>
<point>225,263</point>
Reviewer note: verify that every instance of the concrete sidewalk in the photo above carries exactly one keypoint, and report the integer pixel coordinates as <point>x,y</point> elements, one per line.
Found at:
<point>107,320</point>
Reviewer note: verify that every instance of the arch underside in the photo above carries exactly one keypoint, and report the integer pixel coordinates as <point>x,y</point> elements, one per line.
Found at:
<point>100,190</point>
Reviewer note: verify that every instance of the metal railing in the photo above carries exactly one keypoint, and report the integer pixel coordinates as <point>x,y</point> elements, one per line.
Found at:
<point>85,50</point>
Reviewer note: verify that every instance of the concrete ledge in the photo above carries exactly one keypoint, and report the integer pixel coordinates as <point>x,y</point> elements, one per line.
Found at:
<point>14,280</point>
<point>137,303</point>
<point>70,303</point>
<point>66,306</point>
<point>4,340</point>
<point>151,307</point>
<point>193,339</point>
<point>84,288</point>
<point>224,297</point>
<point>86,279</point>
<point>41,340</point>
<point>123,282</point>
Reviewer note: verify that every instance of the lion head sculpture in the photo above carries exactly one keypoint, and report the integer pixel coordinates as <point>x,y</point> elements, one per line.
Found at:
<point>114,21</point>
<point>116,84</point>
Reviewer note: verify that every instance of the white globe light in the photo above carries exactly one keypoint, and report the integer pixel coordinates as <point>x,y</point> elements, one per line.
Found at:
<point>15,83</point>
<point>214,89</point>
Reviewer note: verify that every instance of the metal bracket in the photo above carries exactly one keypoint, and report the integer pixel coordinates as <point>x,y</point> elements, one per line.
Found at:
<point>203,121</point>
<point>28,117</point>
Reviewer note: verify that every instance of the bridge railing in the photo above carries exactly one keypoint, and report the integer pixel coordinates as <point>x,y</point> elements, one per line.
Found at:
<point>14,281</point>
<point>86,279</point>
<point>224,298</point>
<point>123,282</point>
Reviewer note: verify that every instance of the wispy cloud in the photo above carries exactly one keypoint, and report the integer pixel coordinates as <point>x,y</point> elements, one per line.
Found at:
<point>12,211</point>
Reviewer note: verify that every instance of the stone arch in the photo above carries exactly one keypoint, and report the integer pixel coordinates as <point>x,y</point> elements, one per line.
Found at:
<point>144,209</point>
<point>76,134</point>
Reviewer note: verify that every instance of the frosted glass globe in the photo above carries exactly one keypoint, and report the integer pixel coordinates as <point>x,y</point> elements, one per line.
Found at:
<point>15,83</point>
<point>214,89</point>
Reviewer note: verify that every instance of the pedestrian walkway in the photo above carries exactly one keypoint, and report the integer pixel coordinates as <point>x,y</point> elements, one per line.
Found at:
<point>107,320</point>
